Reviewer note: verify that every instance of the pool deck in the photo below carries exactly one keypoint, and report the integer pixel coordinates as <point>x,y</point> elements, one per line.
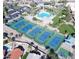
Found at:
<point>46,19</point>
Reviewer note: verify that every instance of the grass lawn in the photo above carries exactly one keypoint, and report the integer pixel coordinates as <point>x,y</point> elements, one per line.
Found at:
<point>67,13</point>
<point>66,28</point>
<point>57,20</point>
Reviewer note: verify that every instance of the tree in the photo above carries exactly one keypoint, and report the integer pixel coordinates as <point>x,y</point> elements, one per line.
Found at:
<point>73,34</point>
<point>70,54</point>
<point>5,35</point>
<point>5,21</point>
<point>65,31</point>
<point>48,57</point>
<point>63,40</point>
<point>16,4</point>
<point>47,47</point>
<point>6,9</point>
<point>3,14</point>
<point>52,54</point>
<point>52,51</point>
<point>59,20</point>
<point>35,19</point>
<point>33,4</point>
<point>73,46</point>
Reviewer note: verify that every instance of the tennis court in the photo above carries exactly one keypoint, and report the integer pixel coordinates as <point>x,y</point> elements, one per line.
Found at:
<point>55,41</point>
<point>64,53</point>
<point>20,24</point>
<point>27,28</point>
<point>35,32</point>
<point>44,37</point>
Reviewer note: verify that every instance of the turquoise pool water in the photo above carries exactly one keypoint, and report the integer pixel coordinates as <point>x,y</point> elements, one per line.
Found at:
<point>44,14</point>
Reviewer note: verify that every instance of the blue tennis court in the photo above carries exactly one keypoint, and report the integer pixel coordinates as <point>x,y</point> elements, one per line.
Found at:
<point>35,32</point>
<point>55,42</point>
<point>27,27</point>
<point>20,24</point>
<point>44,37</point>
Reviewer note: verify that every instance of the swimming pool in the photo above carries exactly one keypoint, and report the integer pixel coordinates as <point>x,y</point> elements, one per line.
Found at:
<point>44,15</point>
